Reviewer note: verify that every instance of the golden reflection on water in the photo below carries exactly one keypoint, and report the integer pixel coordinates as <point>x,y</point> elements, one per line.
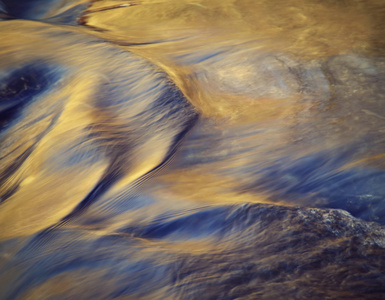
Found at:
<point>271,80</point>
<point>304,28</point>
<point>248,80</point>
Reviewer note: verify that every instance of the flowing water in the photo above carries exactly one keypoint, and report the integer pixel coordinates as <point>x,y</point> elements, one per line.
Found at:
<point>204,149</point>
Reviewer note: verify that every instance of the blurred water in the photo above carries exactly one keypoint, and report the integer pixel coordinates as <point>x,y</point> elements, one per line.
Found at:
<point>192,149</point>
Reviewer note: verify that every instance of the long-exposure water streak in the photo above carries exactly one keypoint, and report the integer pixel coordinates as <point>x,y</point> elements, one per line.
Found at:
<point>175,149</point>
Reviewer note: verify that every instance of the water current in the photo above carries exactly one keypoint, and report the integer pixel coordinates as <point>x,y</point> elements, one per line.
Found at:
<point>175,149</point>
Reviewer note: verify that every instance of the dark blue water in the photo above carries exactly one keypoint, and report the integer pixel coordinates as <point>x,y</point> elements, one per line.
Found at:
<point>197,150</point>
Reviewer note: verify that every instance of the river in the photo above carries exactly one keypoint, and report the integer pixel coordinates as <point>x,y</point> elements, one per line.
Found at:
<point>179,149</point>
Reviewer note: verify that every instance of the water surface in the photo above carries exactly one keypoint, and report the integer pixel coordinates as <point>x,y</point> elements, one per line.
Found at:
<point>192,149</point>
